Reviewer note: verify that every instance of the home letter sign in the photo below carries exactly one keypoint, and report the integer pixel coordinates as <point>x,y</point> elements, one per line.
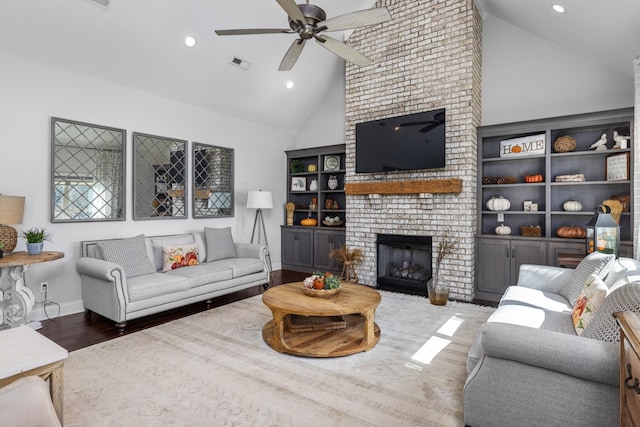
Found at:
<point>524,146</point>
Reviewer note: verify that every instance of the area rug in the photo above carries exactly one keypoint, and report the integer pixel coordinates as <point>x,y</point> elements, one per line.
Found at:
<point>214,369</point>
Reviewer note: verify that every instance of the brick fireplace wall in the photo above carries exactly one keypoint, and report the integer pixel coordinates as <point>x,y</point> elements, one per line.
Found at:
<point>427,57</point>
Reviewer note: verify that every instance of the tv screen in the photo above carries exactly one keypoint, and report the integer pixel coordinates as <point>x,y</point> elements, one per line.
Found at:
<point>410,142</point>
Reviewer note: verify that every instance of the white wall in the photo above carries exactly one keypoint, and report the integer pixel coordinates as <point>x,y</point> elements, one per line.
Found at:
<point>33,93</point>
<point>526,77</point>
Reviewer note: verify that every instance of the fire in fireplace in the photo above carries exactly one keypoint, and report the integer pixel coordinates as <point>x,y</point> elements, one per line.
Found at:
<point>404,263</point>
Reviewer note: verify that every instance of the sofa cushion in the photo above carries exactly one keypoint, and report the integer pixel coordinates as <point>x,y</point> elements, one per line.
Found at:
<point>219,243</point>
<point>130,254</point>
<point>591,297</point>
<point>622,271</point>
<point>158,242</point>
<point>174,257</point>
<point>205,273</point>
<point>243,266</point>
<point>603,326</point>
<point>154,285</point>
<point>533,318</point>
<point>594,263</point>
<point>521,295</point>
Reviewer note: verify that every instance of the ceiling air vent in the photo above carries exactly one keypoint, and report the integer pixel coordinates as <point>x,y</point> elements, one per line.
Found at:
<point>240,63</point>
<point>102,3</point>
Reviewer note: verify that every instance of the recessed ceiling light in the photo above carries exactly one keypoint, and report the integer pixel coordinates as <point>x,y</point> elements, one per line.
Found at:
<point>558,8</point>
<point>289,84</point>
<point>189,41</point>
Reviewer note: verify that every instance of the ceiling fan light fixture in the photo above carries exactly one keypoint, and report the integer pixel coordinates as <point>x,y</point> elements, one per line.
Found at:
<point>101,3</point>
<point>289,84</point>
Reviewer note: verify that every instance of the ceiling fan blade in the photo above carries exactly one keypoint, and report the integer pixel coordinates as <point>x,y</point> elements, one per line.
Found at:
<point>248,31</point>
<point>292,55</point>
<point>292,10</point>
<point>356,19</point>
<point>343,51</point>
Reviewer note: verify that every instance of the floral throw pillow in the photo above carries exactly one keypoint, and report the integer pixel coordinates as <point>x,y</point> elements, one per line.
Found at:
<point>179,256</point>
<point>593,293</point>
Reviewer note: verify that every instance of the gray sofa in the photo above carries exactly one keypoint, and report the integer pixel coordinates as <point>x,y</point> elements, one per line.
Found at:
<point>123,279</point>
<point>529,367</point>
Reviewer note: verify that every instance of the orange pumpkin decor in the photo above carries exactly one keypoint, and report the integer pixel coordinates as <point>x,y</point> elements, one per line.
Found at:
<point>309,221</point>
<point>318,283</point>
<point>534,178</point>
<point>571,232</point>
<point>516,149</point>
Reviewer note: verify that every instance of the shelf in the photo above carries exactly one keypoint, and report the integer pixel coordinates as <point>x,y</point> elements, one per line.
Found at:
<point>513,212</point>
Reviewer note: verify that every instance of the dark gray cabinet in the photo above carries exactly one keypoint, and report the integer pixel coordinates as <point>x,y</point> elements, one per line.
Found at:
<point>499,261</point>
<point>502,171</point>
<point>297,248</point>
<point>315,186</point>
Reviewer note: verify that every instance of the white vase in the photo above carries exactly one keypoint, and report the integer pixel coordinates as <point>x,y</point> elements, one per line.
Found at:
<point>314,185</point>
<point>333,182</point>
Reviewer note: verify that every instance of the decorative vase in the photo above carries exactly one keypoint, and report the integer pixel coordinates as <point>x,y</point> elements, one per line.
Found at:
<point>314,185</point>
<point>349,272</point>
<point>333,182</point>
<point>438,289</point>
<point>34,248</point>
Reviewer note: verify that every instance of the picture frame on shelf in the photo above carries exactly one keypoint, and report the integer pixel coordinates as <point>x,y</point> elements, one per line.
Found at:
<point>298,183</point>
<point>331,163</point>
<point>617,167</point>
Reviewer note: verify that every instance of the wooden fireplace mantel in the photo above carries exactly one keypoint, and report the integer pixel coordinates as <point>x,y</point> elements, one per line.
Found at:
<point>404,187</point>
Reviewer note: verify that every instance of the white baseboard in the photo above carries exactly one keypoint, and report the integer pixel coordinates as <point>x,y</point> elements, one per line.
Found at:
<point>38,312</point>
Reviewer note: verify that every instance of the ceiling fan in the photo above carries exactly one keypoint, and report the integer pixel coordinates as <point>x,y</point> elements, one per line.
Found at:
<point>309,21</point>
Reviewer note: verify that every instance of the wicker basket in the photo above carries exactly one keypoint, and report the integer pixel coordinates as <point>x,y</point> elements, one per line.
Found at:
<point>564,144</point>
<point>616,208</point>
<point>531,231</point>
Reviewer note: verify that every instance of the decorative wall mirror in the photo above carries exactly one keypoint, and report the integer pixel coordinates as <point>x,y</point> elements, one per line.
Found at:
<point>212,172</point>
<point>159,177</point>
<point>87,172</point>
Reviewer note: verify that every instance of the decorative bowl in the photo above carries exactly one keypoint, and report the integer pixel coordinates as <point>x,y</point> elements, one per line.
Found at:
<point>320,293</point>
<point>332,224</point>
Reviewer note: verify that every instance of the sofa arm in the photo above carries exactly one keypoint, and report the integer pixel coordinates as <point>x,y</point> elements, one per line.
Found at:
<point>543,277</point>
<point>585,358</point>
<point>252,250</point>
<point>100,269</point>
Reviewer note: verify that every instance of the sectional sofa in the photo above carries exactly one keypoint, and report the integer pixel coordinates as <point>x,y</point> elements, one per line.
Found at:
<point>540,362</point>
<point>124,279</point>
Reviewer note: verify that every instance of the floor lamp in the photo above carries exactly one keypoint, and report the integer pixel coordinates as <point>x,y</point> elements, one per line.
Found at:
<point>260,200</point>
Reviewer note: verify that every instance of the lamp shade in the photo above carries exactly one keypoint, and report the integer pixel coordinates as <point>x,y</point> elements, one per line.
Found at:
<point>11,209</point>
<point>260,200</point>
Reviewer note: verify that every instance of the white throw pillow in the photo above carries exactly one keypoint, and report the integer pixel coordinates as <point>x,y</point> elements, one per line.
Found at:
<point>593,293</point>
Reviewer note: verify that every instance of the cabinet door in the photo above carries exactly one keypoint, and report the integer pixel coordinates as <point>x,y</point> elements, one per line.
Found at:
<point>555,248</point>
<point>326,241</point>
<point>526,252</point>
<point>494,265</point>
<point>297,247</point>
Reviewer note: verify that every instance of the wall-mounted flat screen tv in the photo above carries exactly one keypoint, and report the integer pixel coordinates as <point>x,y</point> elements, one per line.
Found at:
<point>402,143</point>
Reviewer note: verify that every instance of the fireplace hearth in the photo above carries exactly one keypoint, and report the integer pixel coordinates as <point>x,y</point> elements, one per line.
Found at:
<point>404,263</point>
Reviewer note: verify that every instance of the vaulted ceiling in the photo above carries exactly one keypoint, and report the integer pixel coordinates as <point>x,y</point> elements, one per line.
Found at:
<point>139,44</point>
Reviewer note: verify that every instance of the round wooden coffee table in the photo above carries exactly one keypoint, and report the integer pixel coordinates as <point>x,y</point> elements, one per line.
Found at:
<point>354,304</point>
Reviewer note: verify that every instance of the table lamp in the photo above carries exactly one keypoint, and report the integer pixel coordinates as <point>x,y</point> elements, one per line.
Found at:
<point>11,212</point>
<point>260,200</point>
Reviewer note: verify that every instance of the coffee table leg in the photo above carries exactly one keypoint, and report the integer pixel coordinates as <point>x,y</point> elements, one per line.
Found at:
<point>278,330</point>
<point>369,334</point>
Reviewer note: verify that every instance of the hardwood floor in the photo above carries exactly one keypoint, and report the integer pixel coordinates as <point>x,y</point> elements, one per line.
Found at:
<point>77,331</point>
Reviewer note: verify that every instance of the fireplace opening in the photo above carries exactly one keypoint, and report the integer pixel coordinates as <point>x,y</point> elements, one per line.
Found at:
<point>404,263</point>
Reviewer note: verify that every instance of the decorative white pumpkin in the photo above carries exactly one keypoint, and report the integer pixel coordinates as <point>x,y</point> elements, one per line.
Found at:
<point>498,203</point>
<point>572,206</point>
<point>503,229</point>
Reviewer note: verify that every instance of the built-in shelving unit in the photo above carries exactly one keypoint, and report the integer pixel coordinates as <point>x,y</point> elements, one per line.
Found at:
<point>495,274</point>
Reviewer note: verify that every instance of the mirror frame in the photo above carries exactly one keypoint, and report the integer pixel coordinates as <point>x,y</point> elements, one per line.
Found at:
<point>137,139</point>
<point>210,189</point>
<point>76,143</point>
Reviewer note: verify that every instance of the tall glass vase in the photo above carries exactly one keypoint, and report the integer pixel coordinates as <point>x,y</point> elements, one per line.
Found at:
<point>438,289</point>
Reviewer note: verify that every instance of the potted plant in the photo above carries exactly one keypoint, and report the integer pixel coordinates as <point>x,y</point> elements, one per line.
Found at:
<point>35,238</point>
<point>349,259</point>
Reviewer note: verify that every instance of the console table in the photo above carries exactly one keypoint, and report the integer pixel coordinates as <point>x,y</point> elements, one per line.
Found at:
<point>17,300</point>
